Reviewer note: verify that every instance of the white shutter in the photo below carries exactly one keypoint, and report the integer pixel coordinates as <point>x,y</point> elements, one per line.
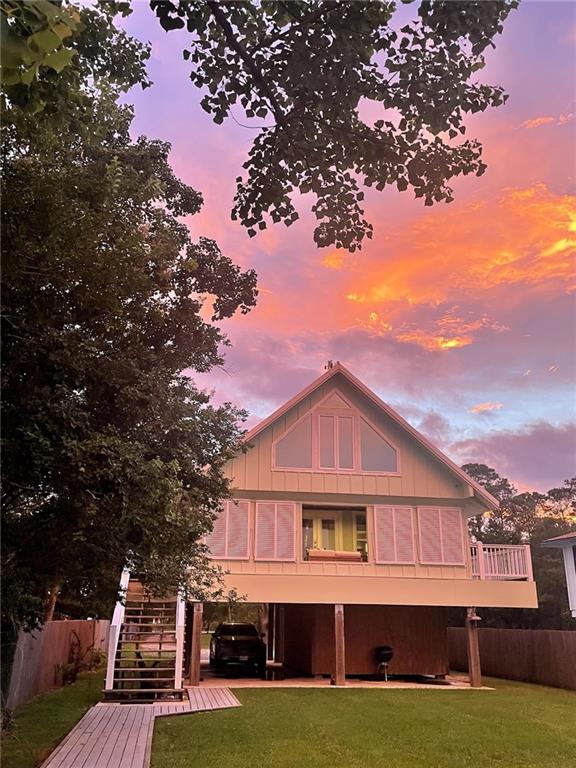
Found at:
<point>237,530</point>
<point>384,530</point>
<point>265,531</point>
<point>275,531</point>
<point>394,533</point>
<point>285,534</point>
<point>404,535</point>
<point>440,536</point>
<point>430,537</point>
<point>451,528</point>
<point>229,536</point>
<point>216,539</point>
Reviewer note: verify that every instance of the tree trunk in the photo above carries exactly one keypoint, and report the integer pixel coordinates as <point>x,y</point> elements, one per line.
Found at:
<point>51,604</point>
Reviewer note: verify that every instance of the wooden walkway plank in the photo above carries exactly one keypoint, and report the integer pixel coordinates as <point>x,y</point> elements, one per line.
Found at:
<point>97,738</point>
<point>115,734</point>
<point>131,740</point>
<point>120,735</point>
<point>76,739</point>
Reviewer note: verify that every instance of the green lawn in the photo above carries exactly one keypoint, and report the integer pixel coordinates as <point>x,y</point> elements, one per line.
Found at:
<point>515,726</point>
<point>42,723</point>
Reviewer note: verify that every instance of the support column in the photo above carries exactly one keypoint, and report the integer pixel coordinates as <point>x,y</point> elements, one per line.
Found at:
<point>279,619</point>
<point>473,648</point>
<point>339,645</point>
<point>271,637</point>
<point>195,646</point>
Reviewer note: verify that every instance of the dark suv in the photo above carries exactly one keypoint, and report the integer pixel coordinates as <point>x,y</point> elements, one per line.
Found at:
<point>239,644</point>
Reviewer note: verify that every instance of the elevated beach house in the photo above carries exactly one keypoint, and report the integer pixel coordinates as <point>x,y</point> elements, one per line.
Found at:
<point>351,528</point>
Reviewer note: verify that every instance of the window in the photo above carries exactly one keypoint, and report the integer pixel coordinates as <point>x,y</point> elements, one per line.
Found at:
<point>335,439</point>
<point>321,529</point>
<point>294,450</point>
<point>377,454</point>
<point>361,534</point>
<point>229,537</point>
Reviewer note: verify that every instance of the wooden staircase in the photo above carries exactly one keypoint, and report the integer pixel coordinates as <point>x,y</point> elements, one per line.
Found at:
<point>146,648</point>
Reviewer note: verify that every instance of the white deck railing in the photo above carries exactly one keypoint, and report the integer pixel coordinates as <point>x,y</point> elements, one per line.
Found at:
<point>115,627</point>
<point>501,561</point>
<point>180,623</point>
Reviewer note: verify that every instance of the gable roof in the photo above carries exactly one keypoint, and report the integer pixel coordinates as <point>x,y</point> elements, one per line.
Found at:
<point>559,541</point>
<point>338,368</point>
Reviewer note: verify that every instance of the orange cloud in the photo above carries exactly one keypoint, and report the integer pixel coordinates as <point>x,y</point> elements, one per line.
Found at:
<point>333,260</point>
<point>450,331</point>
<point>523,238</point>
<point>536,122</point>
<point>485,407</point>
<point>464,254</point>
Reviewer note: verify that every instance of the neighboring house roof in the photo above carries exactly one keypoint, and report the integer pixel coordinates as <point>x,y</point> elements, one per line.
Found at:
<point>559,541</point>
<point>481,493</point>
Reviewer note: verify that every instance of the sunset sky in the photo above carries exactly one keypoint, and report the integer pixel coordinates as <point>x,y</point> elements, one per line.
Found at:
<point>461,316</point>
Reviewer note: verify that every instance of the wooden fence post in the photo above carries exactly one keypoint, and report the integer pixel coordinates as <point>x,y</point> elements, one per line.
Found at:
<point>196,645</point>
<point>340,648</point>
<point>474,668</point>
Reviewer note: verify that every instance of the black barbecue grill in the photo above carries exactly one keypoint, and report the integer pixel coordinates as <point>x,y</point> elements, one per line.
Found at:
<point>383,655</point>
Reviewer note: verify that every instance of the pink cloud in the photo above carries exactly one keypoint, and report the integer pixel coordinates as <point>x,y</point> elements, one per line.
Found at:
<point>539,457</point>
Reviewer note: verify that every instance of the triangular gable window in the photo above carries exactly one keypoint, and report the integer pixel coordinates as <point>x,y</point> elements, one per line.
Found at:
<point>335,438</point>
<point>294,450</point>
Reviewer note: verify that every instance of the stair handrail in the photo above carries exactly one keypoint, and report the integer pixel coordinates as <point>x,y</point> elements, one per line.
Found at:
<point>115,628</point>
<point>180,622</point>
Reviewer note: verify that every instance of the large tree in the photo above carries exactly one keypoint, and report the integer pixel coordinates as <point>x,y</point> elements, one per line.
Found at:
<point>529,518</point>
<point>110,453</point>
<point>342,98</point>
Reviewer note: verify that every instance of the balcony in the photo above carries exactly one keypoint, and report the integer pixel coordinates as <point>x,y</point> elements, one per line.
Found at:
<point>501,562</point>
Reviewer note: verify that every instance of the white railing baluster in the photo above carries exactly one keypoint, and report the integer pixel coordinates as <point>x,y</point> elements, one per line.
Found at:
<point>501,561</point>
<point>180,621</point>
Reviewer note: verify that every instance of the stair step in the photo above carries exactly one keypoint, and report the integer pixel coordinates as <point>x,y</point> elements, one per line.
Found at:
<point>149,690</point>
<point>165,625</point>
<point>156,680</point>
<point>139,669</point>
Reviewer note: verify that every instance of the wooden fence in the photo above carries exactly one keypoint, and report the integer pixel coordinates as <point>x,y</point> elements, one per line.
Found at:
<point>42,655</point>
<point>544,656</point>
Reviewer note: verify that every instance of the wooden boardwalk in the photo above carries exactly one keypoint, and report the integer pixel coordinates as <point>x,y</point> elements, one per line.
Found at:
<point>120,735</point>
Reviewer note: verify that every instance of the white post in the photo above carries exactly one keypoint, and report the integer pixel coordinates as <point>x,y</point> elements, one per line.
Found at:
<point>180,621</point>
<point>115,628</point>
<point>480,558</point>
<point>529,571</point>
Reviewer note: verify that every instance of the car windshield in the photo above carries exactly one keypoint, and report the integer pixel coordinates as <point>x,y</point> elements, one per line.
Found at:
<point>238,629</point>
